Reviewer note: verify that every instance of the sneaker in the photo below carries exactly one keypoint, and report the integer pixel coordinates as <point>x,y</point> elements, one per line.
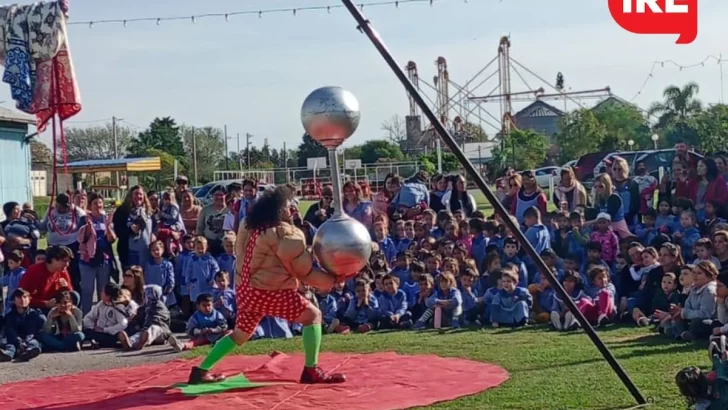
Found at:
<point>342,330</point>
<point>407,324</point>
<point>124,339</point>
<point>4,356</point>
<point>643,321</point>
<point>175,344</point>
<point>556,321</point>
<point>570,322</point>
<point>199,376</point>
<point>456,324</point>
<point>315,375</point>
<point>78,346</point>
<point>603,321</point>
<point>687,336</point>
<point>419,325</point>
<point>95,345</point>
<point>29,354</point>
<point>364,328</point>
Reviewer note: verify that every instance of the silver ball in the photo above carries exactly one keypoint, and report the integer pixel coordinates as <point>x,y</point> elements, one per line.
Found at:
<point>330,115</point>
<point>342,245</point>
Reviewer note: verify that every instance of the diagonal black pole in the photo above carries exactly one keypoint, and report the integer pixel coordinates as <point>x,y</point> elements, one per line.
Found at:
<point>367,28</point>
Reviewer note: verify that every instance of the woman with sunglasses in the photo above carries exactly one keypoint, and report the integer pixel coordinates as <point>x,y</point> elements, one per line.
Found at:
<point>272,261</point>
<point>321,211</point>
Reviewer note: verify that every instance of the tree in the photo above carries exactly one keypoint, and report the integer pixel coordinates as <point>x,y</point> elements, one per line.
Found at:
<point>623,122</point>
<point>711,127</point>
<point>380,151</point>
<point>97,142</point>
<point>450,162</point>
<point>163,134</point>
<point>40,153</point>
<point>675,111</point>
<point>580,132</point>
<point>209,143</point>
<point>309,148</point>
<point>475,131</point>
<point>522,149</point>
<point>395,129</point>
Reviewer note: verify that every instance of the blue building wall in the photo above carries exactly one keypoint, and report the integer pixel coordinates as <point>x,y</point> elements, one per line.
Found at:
<point>14,166</point>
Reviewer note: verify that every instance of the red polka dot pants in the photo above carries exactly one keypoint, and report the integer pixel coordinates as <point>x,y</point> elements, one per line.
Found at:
<point>254,304</point>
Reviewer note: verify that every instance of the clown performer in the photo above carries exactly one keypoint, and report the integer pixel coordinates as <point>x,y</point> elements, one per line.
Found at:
<point>271,261</point>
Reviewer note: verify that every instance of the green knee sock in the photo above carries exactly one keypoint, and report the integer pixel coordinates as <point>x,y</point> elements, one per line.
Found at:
<point>221,349</point>
<point>312,344</point>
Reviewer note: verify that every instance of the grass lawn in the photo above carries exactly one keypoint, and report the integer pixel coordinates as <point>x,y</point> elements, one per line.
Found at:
<point>549,370</point>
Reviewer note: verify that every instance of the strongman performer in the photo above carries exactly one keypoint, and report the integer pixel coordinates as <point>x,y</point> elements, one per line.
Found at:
<point>271,260</point>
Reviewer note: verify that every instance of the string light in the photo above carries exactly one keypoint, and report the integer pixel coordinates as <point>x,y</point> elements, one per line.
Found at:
<point>295,11</point>
<point>718,59</point>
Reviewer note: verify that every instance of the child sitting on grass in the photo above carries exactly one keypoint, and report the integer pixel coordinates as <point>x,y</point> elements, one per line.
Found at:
<point>561,317</point>
<point>693,321</point>
<point>663,300</point>
<point>157,319</point>
<point>23,326</point>
<point>393,305</point>
<point>12,276</point>
<point>363,311</point>
<point>543,300</point>
<point>600,308</point>
<point>426,287</point>
<point>511,305</point>
<point>63,331</point>
<point>224,297</point>
<point>206,326</point>
<point>446,297</point>
<point>104,325</point>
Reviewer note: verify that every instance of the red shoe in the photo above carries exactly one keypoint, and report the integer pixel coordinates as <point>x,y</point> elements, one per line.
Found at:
<point>342,329</point>
<point>364,328</point>
<point>315,375</point>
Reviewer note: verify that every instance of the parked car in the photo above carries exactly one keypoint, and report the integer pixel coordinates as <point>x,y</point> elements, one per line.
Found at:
<point>662,159</point>
<point>203,194</point>
<point>545,175</point>
<point>629,156</point>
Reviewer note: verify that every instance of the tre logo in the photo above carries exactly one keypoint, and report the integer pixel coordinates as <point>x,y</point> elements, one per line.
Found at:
<point>657,17</point>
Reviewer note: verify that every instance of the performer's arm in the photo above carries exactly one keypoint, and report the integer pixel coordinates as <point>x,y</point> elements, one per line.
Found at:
<point>298,261</point>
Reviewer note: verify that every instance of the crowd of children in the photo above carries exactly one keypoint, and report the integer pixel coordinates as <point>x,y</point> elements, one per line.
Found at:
<point>441,269</point>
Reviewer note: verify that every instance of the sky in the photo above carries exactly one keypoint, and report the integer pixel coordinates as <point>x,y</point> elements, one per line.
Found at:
<point>252,74</point>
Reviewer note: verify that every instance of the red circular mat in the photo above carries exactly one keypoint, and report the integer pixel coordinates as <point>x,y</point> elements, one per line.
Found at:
<point>375,381</point>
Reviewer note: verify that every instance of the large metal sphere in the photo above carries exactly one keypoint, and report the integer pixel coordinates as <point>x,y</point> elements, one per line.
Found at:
<point>342,245</point>
<point>330,115</point>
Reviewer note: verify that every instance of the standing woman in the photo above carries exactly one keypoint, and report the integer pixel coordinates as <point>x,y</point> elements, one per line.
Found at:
<point>627,189</point>
<point>210,222</point>
<point>501,184</point>
<point>529,195</point>
<point>570,193</point>
<point>190,211</point>
<point>96,256</point>
<point>132,224</point>
<point>321,211</point>
<point>355,206</point>
<point>608,201</point>
<point>514,184</point>
<point>80,199</point>
<point>676,184</point>
<point>709,186</point>
<point>62,224</point>
<point>382,198</point>
<point>457,197</point>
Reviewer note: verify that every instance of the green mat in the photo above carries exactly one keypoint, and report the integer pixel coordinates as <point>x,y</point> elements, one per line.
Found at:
<point>238,382</point>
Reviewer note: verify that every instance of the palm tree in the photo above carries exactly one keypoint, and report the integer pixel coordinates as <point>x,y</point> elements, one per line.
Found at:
<point>678,106</point>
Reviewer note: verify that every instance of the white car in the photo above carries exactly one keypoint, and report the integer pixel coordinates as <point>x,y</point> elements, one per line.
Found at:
<point>545,175</point>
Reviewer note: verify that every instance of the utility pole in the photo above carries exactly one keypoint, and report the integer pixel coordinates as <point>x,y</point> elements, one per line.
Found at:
<point>240,160</point>
<point>227,159</point>
<point>248,136</point>
<point>194,151</point>
<point>117,182</point>
<point>285,159</point>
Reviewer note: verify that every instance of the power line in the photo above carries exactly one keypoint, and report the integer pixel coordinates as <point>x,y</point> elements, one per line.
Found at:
<point>671,63</point>
<point>259,12</point>
<point>90,121</point>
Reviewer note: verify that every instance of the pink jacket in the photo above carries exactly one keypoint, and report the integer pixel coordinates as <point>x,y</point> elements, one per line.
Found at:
<point>87,242</point>
<point>610,244</point>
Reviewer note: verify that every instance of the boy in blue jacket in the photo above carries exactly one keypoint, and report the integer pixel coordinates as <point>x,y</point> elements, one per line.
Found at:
<point>537,234</point>
<point>512,304</point>
<point>329,307</point>
<point>510,255</point>
<point>363,311</point>
<point>393,312</point>
<point>23,326</point>
<point>12,277</point>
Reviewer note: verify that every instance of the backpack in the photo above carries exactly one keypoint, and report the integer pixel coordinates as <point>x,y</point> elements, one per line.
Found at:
<point>719,386</point>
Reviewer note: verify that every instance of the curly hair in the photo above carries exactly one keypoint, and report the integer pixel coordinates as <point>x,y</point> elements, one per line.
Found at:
<point>267,210</point>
